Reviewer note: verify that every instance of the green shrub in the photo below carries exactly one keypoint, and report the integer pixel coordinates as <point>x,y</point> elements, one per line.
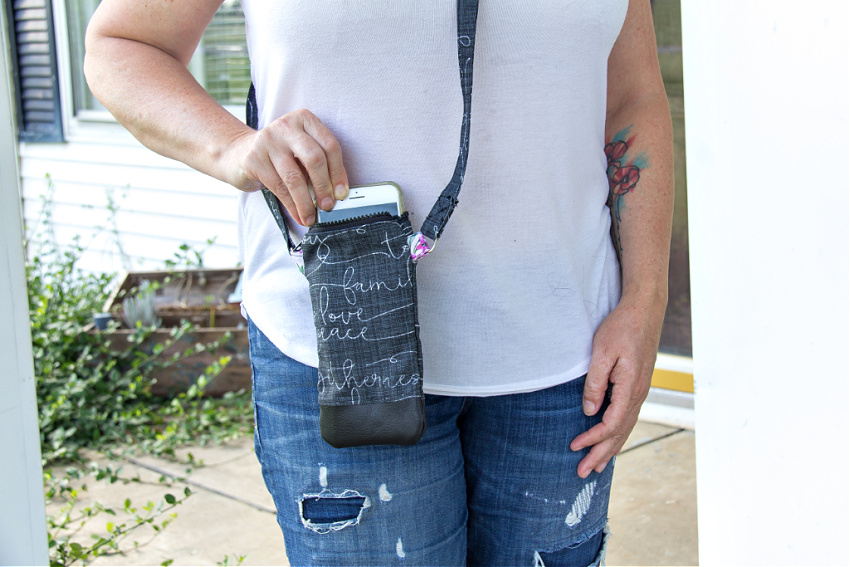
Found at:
<point>63,527</point>
<point>92,396</point>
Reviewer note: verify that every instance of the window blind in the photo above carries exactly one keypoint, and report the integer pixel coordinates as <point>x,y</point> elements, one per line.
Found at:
<point>34,68</point>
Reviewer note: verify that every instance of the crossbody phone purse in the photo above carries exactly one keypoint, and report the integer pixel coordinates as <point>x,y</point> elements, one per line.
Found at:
<point>362,280</point>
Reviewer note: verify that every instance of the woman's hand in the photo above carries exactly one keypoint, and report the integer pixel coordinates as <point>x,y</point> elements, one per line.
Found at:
<point>294,152</point>
<point>624,352</point>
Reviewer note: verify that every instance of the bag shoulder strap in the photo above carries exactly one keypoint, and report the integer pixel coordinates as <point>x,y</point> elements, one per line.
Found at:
<point>467,16</point>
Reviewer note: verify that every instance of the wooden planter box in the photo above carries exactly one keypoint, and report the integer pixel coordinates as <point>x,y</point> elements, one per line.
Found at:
<point>202,297</point>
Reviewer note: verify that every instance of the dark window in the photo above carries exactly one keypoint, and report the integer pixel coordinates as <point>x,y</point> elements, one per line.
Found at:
<point>34,68</point>
<point>676,332</point>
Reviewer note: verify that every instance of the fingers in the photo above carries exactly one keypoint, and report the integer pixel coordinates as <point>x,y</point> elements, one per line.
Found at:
<point>596,383</point>
<point>598,458</point>
<point>613,421</point>
<point>293,154</point>
<point>291,186</point>
<point>616,418</point>
<point>605,441</point>
<point>332,167</point>
<point>608,437</point>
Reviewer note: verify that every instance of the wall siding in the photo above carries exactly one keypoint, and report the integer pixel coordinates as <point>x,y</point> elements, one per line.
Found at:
<point>158,204</point>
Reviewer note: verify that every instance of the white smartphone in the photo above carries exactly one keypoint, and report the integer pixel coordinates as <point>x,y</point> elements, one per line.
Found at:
<point>365,200</point>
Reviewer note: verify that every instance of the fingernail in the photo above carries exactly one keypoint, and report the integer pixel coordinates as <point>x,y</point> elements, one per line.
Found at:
<point>589,407</point>
<point>340,192</point>
<point>309,220</point>
<point>327,203</point>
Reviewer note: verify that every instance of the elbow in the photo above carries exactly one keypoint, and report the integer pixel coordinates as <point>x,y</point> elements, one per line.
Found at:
<point>90,70</point>
<point>93,60</point>
<point>102,51</point>
<point>653,101</point>
<point>103,64</point>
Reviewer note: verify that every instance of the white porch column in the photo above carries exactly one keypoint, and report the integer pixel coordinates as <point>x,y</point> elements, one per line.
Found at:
<point>23,536</point>
<point>766,110</point>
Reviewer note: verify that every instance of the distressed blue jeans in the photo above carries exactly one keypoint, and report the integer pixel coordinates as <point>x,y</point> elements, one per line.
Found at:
<point>492,482</point>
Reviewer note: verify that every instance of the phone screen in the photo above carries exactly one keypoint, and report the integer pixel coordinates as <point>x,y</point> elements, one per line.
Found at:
<point>345,214</point>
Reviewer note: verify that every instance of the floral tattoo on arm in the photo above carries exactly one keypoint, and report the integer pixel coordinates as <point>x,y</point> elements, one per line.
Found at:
<point>623,176</point>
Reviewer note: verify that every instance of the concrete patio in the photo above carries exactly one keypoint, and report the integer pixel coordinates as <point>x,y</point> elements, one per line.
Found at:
<point>653,513</point>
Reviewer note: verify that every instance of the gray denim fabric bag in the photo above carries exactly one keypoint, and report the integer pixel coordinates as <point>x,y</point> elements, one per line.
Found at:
<point>363,291</point>
<point>362,281</point>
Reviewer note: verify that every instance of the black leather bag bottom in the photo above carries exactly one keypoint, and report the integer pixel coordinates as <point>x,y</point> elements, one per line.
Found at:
<point>386,423</point>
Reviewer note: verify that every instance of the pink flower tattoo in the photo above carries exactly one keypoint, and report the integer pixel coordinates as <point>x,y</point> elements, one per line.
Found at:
<point>623,176</point>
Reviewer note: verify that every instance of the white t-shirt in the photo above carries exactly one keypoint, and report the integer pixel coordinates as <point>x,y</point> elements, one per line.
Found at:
<point>525,270</point>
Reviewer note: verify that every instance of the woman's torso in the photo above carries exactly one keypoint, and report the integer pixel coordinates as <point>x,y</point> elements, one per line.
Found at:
<point>525,270</point>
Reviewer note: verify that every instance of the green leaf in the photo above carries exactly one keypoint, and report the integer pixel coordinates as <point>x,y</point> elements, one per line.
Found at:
<point>170,499</point>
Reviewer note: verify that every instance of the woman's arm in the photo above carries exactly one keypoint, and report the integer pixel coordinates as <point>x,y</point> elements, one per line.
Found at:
<point>640,170</point>
<point>136,58</point>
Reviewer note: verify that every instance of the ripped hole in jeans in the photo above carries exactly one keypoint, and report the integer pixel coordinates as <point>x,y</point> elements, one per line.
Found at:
<point>327,512</point>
